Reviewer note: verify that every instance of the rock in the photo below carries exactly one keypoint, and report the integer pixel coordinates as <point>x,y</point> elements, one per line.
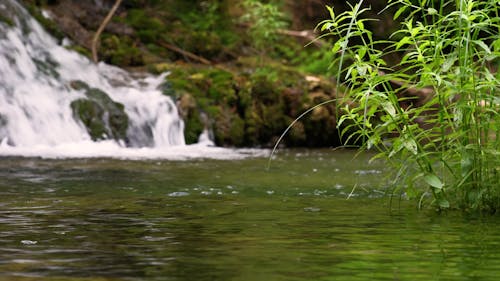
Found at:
<point>78,85</point>
<point>91,114</point>
<point>193,119</point>
<point>102,117</point>
<point>229,128</point>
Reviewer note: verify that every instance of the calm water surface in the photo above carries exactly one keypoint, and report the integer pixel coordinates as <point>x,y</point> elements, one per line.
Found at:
<point>103,219</point>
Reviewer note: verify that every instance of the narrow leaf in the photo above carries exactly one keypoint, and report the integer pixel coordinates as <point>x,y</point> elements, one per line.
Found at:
<point>483,46</point>
<point>330,10</point>
<point>399,12</point>
<point>448,63</point>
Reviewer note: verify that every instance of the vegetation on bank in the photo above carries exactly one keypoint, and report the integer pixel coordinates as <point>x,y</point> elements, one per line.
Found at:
<point>447,148</point>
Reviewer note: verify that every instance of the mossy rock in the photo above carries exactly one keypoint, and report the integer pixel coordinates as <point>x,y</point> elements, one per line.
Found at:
<point>103,117</point>
<point>79,85</point>
<point>193,122</point>
<point>229,128</point>
<point>91,114</point>
<point>47,67</point>
<point>251,107</point>
<point>7,20</point>
<point>48,24</point>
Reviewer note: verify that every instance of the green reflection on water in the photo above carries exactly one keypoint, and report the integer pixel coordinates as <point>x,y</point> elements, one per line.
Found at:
<point>228,220</point>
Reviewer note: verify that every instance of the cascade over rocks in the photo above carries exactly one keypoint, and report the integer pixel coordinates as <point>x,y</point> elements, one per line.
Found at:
<point>51,96</point>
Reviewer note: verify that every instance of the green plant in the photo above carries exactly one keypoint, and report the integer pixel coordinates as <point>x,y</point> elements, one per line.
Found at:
<point>435,114</point>
<point>265,20</point>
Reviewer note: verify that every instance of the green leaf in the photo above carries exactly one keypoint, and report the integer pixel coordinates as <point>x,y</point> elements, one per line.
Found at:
<point>434,181</point>
<point>361,52</point>
<point>360,24</point>
<point>399,12</point>
<point>330,10</point>
<point>405,40</point>
<point>496,45</point>
<point>336,47</point>
<point>483,46</point>
<point>410,145</point>
<point>443,203</point>
<point>326,26</point>
<point>389,108</point>
<point>466,162</point>
<point>448,63</point>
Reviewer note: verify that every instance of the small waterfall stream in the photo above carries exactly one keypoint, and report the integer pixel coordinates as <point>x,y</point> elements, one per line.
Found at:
<point>43,113</point>
<point>35,96</point>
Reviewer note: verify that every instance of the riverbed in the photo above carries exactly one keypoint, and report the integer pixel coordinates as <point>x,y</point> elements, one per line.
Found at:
<point>313,215</point>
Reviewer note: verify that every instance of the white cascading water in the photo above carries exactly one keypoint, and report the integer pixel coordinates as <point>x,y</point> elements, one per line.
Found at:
<point>36,118</point>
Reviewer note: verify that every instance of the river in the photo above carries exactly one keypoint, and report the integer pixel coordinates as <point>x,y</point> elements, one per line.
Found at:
<point>314,215</point>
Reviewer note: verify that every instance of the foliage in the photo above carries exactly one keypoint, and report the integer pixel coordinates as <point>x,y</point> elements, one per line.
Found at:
<point>120,51</point>
<point>206,26</point>
<point>265,20</point>
<point>435,114</point>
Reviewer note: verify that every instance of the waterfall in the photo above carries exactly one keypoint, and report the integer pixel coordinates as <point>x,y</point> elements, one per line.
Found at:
<point>47,92</point>
<point>36,94</point>
<point>55,103</point>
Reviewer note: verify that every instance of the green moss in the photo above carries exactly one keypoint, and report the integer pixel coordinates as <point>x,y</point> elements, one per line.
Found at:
<point>189,110</point>
<point>102,117</point>
<point>48,24</point>
<point>6,20</point>
<point>79,85</point>
<point>193,127</point>
<point>121,51</point>
<point>79,49</point>
<point>254,107</point>
<point>91,115</point>
<point>229,128</point>
<point>47,66</point>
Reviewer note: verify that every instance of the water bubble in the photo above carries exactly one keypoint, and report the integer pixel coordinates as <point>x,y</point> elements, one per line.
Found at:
<point>270,192</point>
<point>29,242</point>
<point>367,172</point>
<point>178,194</point>
<point>319,192</point>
